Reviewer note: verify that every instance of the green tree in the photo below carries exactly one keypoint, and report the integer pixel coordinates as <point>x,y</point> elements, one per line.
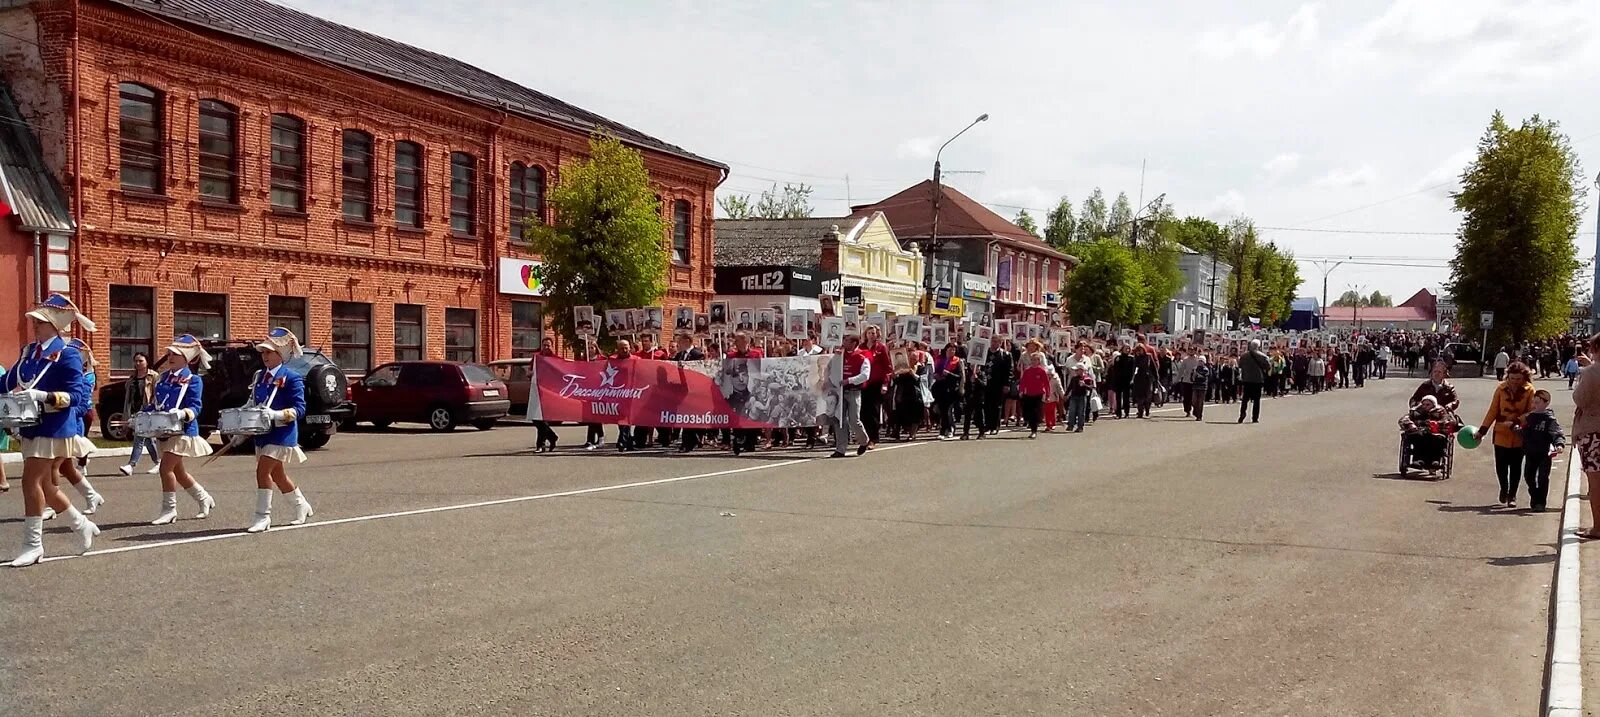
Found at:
<point>1379,300</point>
<point>793,201</point>
<point>1026,222</point>
<point>1092,220</point>
<point>1119,221</point>
<point>1060,225</point>
<point>607,247</point>
<point>1107,285</point>
<point>1160,279</point>
<point>737,206</point>
<point>1515,253</point>
<point>1350,298</point>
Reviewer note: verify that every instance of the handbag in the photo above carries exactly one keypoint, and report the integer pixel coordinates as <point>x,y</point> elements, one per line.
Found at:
<point>1095,404</point>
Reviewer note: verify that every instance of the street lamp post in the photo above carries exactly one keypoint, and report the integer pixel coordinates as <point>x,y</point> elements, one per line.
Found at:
<point>929,255</point>
<point>1356,308</point>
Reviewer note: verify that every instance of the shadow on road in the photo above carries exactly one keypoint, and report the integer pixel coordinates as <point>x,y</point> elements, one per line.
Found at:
<point>1447,507</point>
<point>175,535</point>
<point>1522,560</point>
<point>1419,477</point>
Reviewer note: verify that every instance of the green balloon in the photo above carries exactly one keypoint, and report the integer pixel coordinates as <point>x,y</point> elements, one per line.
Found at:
<point>1467,437</point>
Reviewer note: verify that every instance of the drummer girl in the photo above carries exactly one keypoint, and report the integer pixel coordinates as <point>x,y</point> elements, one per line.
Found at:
<point>280,389</point>
<point>73,471</point>
<point>180,389</point>
<point>50,373</point>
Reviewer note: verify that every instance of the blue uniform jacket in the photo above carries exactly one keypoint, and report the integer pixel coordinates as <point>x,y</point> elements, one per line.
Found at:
<point>63,379</point>
<point>291,389</point>
<point>166,392</point>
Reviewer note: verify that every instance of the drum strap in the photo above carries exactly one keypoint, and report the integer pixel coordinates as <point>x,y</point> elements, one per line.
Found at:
<point>181,393</point>
<point>37,378</point>
<point>270,397</point>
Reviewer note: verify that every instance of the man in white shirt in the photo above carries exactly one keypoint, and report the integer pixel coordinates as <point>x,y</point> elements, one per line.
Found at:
<point>1501,361</point>
<point>857,370</point>
<point>1384,354</point>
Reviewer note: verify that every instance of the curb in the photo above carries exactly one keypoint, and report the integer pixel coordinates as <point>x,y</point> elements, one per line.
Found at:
<point>1564,670</point>
<point>14,459</point>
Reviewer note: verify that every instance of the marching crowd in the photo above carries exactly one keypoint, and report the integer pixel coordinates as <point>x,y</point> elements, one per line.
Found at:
<point>46,398</point>
<point>1014,385</point>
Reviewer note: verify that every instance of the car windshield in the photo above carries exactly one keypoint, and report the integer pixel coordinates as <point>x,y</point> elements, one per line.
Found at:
<point>477,373</point>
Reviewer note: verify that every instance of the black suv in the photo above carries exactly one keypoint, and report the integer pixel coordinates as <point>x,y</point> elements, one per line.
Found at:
<point>227,385</point>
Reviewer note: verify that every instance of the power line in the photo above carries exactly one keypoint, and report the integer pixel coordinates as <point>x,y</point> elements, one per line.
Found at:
<point>1355,231</point>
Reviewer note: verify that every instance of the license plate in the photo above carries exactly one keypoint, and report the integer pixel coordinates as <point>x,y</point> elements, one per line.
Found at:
<point>491,392</point>
<point>319,419</point>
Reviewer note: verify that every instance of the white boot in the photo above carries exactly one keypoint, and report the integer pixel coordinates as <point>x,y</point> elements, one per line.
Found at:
<point>199,494</point>
<point>125,469</point>
<point>300,507</point>
<point>91,496</point>
<point>32,543</point>
<point>169,509</point>
<point>49,513</point>
<point>85,529</point>
<point>263,511</point>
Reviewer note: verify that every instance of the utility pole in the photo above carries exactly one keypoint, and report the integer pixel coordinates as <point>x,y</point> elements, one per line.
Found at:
<point>1327,269</point>
<point>930,257</point>
<point>1594,298</point>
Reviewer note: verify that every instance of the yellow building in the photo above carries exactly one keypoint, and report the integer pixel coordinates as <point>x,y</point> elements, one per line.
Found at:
<point>878,275</point>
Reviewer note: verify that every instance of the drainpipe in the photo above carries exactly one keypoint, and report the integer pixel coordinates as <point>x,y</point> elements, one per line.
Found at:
<point>38,266</point>
<point>491,289</point>
<point>77,158</point>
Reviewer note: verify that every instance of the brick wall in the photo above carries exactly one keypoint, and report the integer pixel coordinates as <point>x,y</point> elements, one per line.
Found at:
<point>248,251</point>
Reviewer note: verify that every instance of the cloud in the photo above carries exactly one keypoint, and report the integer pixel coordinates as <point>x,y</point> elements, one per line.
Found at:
<point>1444,179</point>
<point>1262,39</point>
<point>1481,45</point>
<point>1225,206</point>
<point>916,148</point>
<point>1342,178</point>
<point>1281,164</point>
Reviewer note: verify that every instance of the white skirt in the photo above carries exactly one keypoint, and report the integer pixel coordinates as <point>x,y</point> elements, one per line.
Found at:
<point>287,455</point>
<point>51,448</point>
<point>185,446</point>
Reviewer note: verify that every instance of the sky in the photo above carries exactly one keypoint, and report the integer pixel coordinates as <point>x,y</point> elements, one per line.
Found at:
<point>1349,118</point>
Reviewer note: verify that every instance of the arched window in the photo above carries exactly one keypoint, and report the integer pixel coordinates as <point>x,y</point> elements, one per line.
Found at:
<point>680,231</point>
<point>408,184</point>
<point>288,163</point>
<point>357,175</point>
<point>527,197</point>
<point>141,137</point>
<point>463,194</point>
<point>219,151</point>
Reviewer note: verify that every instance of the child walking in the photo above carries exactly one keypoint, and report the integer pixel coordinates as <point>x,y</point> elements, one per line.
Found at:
<point>1542,441</point>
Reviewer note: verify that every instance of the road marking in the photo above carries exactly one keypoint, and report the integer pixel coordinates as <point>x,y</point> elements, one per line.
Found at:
<point>436,509</point>
<point>1564,671</point>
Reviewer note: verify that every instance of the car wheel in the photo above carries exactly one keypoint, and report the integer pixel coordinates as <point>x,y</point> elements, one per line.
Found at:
<point>115,428</point>
<point>484,424</point>
<point>315,439</point>
<point>441,418</point>
<point>347,424</point>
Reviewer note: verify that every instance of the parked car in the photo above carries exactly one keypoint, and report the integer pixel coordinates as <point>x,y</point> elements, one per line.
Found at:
<point>517,375</point>
<point>228,384</point>
<point>441,394</point>
<point>1465,360</point>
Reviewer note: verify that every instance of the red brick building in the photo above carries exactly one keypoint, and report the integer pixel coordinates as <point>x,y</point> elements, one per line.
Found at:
<point>233,165</point>
<point>1028,275</point>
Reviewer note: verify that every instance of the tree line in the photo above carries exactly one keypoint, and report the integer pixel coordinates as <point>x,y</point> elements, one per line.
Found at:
<point>1129,260</point>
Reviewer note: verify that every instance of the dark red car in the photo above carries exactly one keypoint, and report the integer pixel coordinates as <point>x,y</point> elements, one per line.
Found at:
<point>441,394</point>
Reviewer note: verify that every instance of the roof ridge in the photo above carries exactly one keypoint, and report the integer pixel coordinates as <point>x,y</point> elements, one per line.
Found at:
<point>410,64</point>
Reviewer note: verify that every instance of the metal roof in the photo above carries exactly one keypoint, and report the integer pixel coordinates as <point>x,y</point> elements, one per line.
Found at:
<point>29,188</point>
<point>310,36</point>
<point>783,242</point>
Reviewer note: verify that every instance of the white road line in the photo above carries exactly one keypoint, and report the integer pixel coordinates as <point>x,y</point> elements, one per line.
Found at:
<point>1565,668</point>
<point>437,509</point>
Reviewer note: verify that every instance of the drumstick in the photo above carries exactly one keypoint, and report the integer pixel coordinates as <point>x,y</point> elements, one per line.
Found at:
<point>235,443</point>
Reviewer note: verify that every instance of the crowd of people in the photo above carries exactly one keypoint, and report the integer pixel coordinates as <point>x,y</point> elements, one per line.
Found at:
<point>944,393</point>
<point>47,396</point>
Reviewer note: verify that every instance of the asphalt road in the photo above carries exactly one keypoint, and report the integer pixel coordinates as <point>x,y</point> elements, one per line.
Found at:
<point>1143,567</point>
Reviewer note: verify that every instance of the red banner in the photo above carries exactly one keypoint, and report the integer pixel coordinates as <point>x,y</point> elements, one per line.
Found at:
<point>793,392</point>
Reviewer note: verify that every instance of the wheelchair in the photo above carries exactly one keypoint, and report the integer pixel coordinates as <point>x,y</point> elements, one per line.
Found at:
<point>1445,429</point>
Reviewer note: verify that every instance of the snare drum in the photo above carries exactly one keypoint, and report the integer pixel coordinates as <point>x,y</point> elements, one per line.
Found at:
<point>17,410</point>
<point>246,421</point>
<point>157,424</point>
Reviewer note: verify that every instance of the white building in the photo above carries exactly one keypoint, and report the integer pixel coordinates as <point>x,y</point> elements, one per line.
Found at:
<point>1192,308</point>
